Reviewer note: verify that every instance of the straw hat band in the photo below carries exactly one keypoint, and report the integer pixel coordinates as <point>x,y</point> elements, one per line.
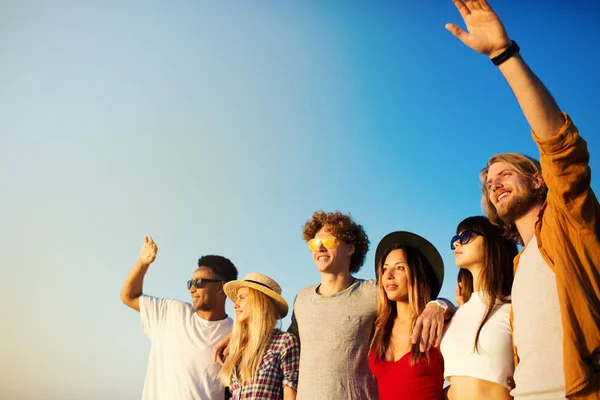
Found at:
<point>262,284</point>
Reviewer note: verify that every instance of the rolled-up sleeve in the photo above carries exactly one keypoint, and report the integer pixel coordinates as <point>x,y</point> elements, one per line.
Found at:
<point>290,361</point>
<point>565,167</point>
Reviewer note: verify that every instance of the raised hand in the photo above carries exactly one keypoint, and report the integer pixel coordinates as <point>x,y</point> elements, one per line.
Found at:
<point>485,32</point>
<point>148,252</point>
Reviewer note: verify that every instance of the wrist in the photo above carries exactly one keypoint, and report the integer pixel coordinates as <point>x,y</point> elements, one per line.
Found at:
<point>501,56</point>
<point>439,303</point>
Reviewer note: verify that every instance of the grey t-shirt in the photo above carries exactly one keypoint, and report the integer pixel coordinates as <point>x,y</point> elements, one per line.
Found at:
<point>334,334</point>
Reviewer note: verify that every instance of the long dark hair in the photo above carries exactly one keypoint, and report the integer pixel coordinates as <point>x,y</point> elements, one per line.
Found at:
<point>422,287</point>
<point>465,279</point>
<point>496,277</point>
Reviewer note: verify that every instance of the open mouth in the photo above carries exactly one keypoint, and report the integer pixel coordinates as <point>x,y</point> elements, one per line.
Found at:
<point>502,196</point>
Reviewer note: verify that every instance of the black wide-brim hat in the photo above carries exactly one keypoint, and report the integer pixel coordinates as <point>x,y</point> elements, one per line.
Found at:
<point>420,244</point>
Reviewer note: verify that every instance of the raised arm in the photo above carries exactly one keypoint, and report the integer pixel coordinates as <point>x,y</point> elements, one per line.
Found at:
<point>132,288</point>
<point>486,34</point>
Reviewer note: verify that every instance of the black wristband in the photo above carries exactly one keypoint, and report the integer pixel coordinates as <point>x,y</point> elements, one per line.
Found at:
<point>506,54</point>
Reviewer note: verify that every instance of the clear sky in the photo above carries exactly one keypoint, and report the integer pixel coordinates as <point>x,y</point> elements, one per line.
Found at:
<point>218,128</point>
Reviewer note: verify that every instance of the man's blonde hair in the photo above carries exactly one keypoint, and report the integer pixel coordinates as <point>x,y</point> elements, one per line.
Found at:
<point>525,166</point>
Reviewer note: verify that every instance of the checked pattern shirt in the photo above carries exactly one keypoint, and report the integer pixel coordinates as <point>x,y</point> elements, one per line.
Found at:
<point>278,368</point>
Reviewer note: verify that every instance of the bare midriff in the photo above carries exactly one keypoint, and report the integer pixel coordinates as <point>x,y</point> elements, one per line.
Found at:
<point>469,388</point>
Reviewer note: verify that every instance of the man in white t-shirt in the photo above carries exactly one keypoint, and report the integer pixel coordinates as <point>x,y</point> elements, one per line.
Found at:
<point>550,208</point>
<point>182,335</point>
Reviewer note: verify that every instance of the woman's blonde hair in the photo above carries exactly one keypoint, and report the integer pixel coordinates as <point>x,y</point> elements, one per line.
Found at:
<point>249,339</point>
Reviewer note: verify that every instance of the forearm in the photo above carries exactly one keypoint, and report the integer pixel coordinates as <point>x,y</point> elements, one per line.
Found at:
<point>132,288</point>
<point>539,107</point>
<point>289,393</point>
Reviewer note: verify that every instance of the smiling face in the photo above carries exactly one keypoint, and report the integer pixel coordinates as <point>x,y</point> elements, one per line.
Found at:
<point>210,294</point>
<point>335,259</point>
<point>241,307</point>
<point>511,194</point>
<point>395,276</point>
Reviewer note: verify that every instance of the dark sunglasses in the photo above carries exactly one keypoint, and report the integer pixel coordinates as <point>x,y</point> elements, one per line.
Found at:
<point>198,282</point>
<point>464,237</point>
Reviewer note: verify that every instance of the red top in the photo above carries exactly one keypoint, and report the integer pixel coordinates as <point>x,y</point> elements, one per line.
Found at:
<point>399,380</point>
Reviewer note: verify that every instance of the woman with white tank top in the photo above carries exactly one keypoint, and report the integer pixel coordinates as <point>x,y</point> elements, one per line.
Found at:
<point>477,346</point>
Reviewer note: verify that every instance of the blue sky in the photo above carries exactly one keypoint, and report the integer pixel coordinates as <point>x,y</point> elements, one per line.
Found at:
<point>218,128</point>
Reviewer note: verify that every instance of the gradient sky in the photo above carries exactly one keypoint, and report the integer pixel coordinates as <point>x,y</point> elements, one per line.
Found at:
<point>218,128</point>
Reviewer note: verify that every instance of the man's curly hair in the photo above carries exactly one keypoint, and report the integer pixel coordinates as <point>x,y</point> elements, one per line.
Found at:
<point>344,228</point>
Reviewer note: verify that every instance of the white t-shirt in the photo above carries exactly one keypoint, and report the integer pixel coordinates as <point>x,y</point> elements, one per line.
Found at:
<point>538,331</point>
<point>494,362</point>
<point>181,363</point>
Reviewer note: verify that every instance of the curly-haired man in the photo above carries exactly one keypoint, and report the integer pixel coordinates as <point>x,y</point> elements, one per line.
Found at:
<point>334,319</point>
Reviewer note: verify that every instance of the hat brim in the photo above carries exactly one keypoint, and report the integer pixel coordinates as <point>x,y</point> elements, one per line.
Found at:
<point>412,240</point>
<point>231,289</point>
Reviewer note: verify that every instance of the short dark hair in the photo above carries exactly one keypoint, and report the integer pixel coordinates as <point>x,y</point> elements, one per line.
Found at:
<point>219,265</point>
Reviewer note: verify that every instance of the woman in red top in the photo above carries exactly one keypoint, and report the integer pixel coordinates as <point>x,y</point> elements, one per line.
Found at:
<point>409,274</point>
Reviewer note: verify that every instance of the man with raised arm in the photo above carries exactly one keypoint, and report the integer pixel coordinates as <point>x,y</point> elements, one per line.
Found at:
<point>550,208</point>
<point>182,335</point>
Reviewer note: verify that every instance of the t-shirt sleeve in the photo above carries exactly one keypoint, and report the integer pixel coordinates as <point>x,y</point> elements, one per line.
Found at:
<point>290,361</point>
<point>153,312</point>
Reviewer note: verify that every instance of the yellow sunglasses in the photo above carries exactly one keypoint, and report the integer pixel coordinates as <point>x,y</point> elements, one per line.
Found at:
<point>329,243</point>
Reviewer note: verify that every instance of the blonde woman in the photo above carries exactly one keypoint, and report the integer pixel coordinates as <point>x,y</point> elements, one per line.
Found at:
<point>261,362</point>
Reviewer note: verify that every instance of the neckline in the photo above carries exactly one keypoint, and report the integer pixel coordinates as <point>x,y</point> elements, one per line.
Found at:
<point>393,362</point>
<point>335,294</point>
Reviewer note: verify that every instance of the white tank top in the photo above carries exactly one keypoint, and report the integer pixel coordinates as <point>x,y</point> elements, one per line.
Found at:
<point>494,362</point>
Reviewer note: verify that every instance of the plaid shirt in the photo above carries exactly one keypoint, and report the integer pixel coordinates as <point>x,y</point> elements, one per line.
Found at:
<point>278,368</point>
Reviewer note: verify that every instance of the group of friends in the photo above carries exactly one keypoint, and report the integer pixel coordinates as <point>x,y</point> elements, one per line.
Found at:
<point>527,325</point>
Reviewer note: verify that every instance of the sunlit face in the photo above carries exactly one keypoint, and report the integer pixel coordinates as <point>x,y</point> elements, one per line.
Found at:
<point>511,194</point>
<point>471,253</point>
<point>241,307</point>
<point>335,259</point>
<point>395,276</point>
<point>208,296</point>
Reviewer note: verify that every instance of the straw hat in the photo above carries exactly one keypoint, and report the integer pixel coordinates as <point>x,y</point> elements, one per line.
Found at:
<point>263,284</point>
<point>422,245</point>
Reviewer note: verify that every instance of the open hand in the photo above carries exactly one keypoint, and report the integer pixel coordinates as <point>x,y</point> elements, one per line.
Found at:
<point>486,34</point>
<point>429,327</point>
<point>148,252</point>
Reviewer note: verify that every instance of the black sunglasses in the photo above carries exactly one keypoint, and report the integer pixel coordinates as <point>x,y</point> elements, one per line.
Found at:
<point>198,282</point>
<point>464,237</point>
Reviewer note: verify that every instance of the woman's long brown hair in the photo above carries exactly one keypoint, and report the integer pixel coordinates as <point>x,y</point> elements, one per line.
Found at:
<point>422,287</point>
<point>496,277</point>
